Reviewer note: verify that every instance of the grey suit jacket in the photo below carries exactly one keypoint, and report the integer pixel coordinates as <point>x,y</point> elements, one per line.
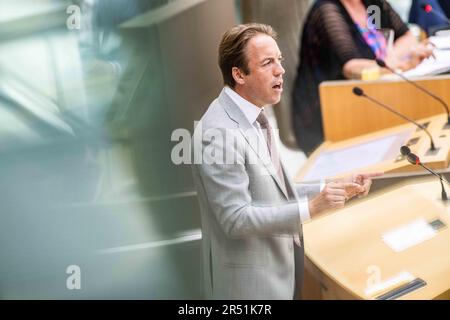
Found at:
<point>248,221</point>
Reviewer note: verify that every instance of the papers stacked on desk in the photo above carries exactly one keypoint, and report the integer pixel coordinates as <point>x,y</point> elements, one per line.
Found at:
<point>441,43</point>
<point>433,66</point>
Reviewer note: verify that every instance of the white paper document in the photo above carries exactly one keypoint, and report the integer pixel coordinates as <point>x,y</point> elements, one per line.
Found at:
<point>409,235</point>
<point>335,162</point>
<point>438,64</point>
<point>442,42</point>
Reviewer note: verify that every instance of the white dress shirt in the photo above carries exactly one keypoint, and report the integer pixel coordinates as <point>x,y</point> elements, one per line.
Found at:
<point>251,112</point>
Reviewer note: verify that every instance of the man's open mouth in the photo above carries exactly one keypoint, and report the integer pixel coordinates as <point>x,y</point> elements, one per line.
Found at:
<point>278,86</point>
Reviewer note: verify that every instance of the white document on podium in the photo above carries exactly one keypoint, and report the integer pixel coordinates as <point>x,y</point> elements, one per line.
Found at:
<point>409,235</point>
<point>335,162</point>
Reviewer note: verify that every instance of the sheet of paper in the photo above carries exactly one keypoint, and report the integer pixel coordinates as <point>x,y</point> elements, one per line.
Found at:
<point>432,66</point>
<point>442,42</point>
<point>335,162</point>
<point>409,235</point>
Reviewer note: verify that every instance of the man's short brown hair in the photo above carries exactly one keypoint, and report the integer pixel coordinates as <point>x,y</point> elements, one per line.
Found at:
<point>232,48</point>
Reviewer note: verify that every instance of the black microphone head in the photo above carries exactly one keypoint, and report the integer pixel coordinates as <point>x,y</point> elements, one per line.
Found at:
<point>413,159</point>
<point>404,150</point>
<point>358,91</point>
<point>380,63</point>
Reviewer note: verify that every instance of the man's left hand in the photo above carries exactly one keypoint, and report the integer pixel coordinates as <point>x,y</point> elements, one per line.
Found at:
<point>364,180</point>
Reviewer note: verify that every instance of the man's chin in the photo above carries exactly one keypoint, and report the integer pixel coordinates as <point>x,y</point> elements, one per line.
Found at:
<point>273,99</point>
<point>276,100</point>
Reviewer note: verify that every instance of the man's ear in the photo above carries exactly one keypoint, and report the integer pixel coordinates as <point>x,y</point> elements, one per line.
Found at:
<point>238,75</point>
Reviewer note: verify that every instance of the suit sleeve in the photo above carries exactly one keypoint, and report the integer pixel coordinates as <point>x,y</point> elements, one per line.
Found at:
<point>308,190</point>
<point>226,187</point>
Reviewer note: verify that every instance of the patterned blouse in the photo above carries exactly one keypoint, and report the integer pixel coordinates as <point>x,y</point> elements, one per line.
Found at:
<point>330,38</point>
<point>375,39</point>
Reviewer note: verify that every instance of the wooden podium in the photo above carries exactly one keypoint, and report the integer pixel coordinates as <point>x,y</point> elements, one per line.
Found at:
<point>345,115</point>
<point>343,249</point>
<point>380,151</point>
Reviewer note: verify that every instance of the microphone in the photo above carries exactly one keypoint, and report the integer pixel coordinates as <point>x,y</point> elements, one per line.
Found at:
<point>404,150</point>
<point>383,64</point>
<point>415,160</point>
<point>359,92</point>
<point>429,9</point>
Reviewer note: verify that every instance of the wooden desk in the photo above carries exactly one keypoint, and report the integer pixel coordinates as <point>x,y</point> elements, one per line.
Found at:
<point>341,248</point>
<point>345,115</point>
<point>391,162</point>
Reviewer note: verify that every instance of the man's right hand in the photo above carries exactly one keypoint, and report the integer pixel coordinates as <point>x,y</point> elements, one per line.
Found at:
<point>333,196</point>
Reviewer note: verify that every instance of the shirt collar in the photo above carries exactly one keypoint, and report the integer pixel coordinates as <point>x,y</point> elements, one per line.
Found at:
<point>250,111</point>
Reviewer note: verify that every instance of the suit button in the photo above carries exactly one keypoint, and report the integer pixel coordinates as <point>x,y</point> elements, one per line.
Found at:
<point>291,246</point>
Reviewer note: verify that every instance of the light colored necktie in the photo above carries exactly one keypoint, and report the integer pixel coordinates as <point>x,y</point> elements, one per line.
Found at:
<point>268,135</point>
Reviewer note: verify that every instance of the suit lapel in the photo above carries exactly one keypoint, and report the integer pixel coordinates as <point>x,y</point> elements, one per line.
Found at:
<point>289,182</point>
<point>253,139</point>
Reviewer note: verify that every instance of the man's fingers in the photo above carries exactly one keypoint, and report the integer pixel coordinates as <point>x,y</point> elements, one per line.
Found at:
<point>343,185</point>
<point>351,186</point>
<point>336,191</point>
<point>338,201</point>
<point>367,187</point>
<point>338,204</point>
<point>347,188</point>
<point>333,198</point>
<point>371,175</point>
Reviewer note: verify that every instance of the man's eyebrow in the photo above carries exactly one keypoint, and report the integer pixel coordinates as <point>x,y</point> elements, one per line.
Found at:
<point>271,58</point>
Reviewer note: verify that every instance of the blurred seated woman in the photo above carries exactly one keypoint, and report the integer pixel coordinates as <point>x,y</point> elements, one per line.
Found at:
<point>339,40</point>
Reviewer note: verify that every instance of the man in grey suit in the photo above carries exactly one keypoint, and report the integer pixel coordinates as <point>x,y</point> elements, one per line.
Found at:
<point>251,211</point>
